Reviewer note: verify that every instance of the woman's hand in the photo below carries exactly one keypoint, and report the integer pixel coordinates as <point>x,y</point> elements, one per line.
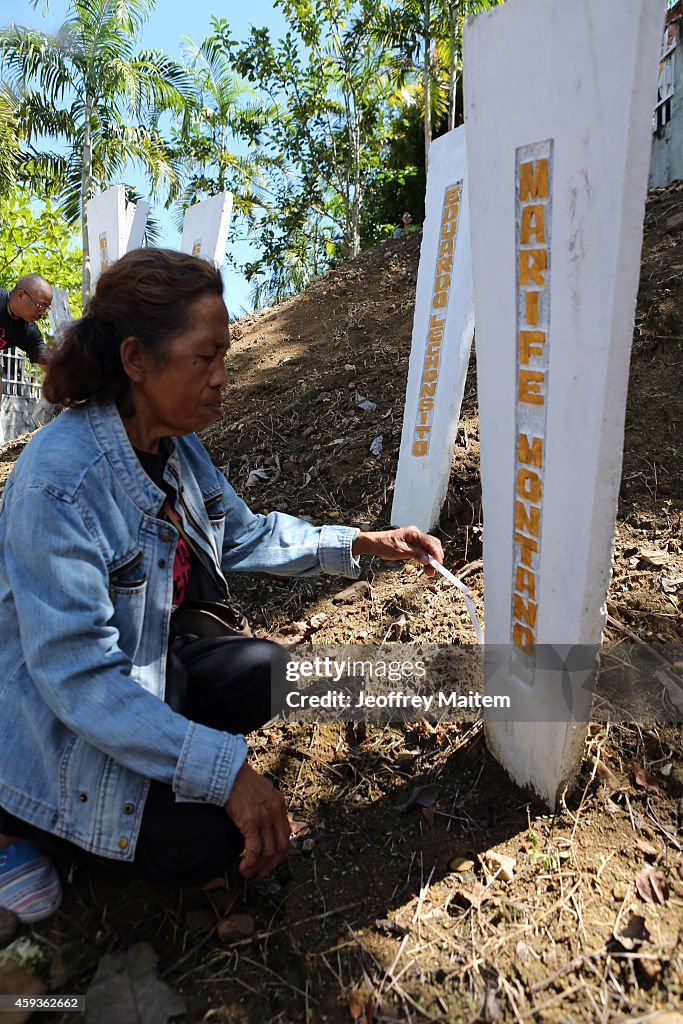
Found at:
<point>258,810</point>
<point>400,545</point>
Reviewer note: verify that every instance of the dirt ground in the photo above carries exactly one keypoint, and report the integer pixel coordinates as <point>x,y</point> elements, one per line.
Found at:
<point>394,904</point>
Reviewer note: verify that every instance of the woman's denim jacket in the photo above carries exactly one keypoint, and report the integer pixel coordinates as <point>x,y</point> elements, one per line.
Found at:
<point>86,580</point>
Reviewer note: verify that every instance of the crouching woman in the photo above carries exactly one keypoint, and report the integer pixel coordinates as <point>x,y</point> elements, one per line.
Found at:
<point>122,732</point>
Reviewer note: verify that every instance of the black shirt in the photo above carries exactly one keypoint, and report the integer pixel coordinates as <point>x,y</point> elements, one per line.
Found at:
<point>17,333</point>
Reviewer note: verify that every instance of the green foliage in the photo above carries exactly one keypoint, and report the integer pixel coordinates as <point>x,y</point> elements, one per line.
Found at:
<point>399,183</point>
<point>87,87</point>
<point>328,92</point>
<point>35,238</point>
<point>222,114</point>
<point>9,146</point>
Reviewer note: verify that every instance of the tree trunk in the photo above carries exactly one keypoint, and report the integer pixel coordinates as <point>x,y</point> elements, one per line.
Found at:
<point>86,193</point>
<point>427,82</point>
<point>453,63</point>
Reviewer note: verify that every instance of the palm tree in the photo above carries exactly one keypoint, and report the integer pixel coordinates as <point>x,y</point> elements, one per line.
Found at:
<point>426,38</point>
<point>87,86</point>
<point>223,110</point>
<point>9,147</point>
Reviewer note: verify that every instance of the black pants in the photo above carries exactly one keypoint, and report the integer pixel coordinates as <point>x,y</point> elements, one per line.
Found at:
<point>233,684</point>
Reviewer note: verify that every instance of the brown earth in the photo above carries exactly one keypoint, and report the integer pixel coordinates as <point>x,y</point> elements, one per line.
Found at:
<point>387,913</point>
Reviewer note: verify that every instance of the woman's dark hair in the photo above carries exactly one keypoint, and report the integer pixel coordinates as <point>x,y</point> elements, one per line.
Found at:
<point>147,294</point>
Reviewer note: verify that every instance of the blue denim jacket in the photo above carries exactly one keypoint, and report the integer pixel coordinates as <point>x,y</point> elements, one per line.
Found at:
<point>86,581</point>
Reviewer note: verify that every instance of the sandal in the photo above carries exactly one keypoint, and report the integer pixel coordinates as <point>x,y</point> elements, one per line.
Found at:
<point>29,883</point>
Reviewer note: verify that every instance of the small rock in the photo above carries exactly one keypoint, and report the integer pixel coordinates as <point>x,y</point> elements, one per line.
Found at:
<point>235,927</point>
<point>620,891</point>
<point>674,224</point>
<point>676,780</point>
<point>461,864</point>
<point>500,864</point>
<point>353,593</point>
<point>9,926</point>
<point>522,952</point>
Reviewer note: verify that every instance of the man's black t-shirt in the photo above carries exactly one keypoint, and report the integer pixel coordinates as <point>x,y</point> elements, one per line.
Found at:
<point>15,333</point>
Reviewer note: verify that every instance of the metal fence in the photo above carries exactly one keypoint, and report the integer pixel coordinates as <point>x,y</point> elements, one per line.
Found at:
<point>667,77</point>
<point>19,376</point>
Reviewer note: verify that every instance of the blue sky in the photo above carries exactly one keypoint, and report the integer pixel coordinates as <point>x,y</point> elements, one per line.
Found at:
<point>169,23</point>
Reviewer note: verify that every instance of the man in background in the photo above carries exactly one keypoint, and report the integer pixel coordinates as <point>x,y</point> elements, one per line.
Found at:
<point>28,301</point>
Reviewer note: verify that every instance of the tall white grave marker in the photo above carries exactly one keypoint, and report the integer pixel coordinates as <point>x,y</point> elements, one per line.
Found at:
<point>559,102</point>
<point>114,227</point>
<point>206,226</point>
<point>442,338</point>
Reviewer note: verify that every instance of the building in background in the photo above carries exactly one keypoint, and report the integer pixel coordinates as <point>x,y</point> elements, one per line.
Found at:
<point>667,123</point>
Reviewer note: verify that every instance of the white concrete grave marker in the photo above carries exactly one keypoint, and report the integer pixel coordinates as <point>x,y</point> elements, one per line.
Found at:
<point>205,228</point>
<point>559,100</point>
<point>60,310</point>
<point>442,338</point>
<point>114,227</point>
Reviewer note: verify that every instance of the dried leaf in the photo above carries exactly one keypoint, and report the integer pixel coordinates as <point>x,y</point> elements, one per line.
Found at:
<point>398,628</point>
<point>652,885</point>
<point>318,620</point>
<point>126,988</point>
<point>389,927</point>
<point>644,779</point>
<point>422,796</point>
<point>256,476</point>
<point>607,778</point>
<point>671,584</point>
<point>647,848</point>
<point>474,894</point>
<point>493,1006</point>
<point>429,814</point>
<point>633,934</point>
<point>654,556</point>
<point>362,1010</point>
<point>356,1006</point>
<point>364,403</point>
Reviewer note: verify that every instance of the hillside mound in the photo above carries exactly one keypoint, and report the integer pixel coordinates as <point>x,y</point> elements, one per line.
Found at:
<point>395,904</point>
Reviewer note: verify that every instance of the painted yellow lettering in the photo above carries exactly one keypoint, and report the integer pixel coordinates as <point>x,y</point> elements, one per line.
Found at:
<point>522,636</point>
<point>530,343</point>
<point>529,486</point>
<point>527,547</point>
<point>533,179</point>
<point>525,611</point>
<point>532,307</point>
<point>525,582</point>
<point>532,227</point>
<point>527,518</point>
<point>530,450</point>
<point>529,387</point>
<point>532,263</point>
